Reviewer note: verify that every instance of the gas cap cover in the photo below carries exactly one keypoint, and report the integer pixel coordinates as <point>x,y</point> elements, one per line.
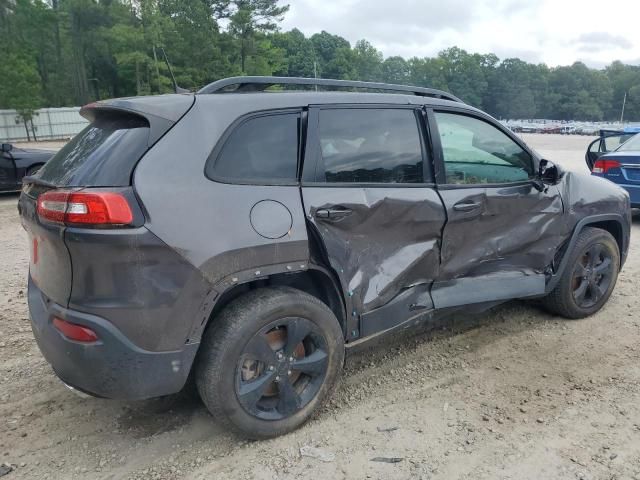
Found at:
<point>271,219</point>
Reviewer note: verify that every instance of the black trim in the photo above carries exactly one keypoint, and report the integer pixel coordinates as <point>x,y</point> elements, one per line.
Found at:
<point>249,84</point>
<point>434,135</point>
<point>238,122</point>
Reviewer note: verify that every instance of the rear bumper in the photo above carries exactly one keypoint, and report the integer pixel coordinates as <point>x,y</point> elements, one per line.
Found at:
<point>634,194</point>
<point>113,367</point>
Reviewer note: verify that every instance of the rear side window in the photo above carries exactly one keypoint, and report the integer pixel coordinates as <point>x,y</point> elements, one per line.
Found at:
<point>261,149</point>
<point>104,154</point>
<point>370,145</point>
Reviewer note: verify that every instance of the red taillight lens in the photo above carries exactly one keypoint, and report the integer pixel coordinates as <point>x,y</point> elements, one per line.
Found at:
<point>75,332</point>
<point>603,166</point>
<point>84,208</point>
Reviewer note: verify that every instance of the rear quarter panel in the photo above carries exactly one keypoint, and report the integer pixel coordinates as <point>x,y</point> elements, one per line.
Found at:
<point>206,222</point>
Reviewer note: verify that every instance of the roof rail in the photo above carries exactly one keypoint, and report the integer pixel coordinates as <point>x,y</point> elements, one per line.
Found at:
<point>259,84</point>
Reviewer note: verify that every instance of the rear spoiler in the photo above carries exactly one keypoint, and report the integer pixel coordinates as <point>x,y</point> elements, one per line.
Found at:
<point>161,111</point>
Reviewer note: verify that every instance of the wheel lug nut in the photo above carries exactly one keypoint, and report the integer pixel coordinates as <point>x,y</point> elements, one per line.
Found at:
<point>271,368</point>
<point>291,359</point>
<point>289,372</point>
<point>277,378</point>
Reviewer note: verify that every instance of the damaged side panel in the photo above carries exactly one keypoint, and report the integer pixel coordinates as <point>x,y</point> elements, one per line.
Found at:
<point>497,243</point>
<point>386,242</point>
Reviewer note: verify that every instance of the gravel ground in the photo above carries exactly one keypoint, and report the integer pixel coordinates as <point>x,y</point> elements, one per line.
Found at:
<point>512,394</point>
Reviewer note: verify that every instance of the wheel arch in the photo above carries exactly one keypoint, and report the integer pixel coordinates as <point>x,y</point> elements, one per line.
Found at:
<point>315,281</point>
<point>612,223</point>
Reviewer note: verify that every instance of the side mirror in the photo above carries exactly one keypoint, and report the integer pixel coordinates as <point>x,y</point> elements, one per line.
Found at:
<point>549,172</point>
<point>7,147</point>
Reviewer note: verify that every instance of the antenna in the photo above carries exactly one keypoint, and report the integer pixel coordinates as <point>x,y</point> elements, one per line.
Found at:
<point>176,88</point>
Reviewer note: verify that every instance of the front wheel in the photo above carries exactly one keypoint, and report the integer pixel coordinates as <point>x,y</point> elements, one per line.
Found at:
<point>589,278</point>
<point>269,360</point>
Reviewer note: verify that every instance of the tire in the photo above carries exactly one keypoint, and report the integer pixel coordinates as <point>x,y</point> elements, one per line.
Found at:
<point>233,371</point>
<point>587,282</point>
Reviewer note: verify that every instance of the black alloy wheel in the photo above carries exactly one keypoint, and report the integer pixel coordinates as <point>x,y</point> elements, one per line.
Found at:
<point>592,275</point>
<point>281,368</point>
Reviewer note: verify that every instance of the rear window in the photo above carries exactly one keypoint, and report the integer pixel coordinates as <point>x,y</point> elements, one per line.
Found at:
<point>262,150</point>
<point>104,154</point>
<point>631,145</point>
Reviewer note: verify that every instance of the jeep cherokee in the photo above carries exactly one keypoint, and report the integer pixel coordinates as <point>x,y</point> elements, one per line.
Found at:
<point>250,236</point>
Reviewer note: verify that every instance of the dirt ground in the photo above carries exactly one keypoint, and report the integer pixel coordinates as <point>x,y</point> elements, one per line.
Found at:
<point>512,394</point>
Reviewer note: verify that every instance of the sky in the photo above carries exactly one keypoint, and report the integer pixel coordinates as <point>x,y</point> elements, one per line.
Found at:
<point>556,32</point>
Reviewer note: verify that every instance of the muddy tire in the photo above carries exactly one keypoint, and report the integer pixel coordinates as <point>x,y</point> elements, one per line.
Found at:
<point>589,278</point>
<point>269,360</point>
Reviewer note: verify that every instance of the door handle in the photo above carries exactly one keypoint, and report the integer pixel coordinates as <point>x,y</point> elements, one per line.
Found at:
<point>466,207</point>
<point>333,213</point>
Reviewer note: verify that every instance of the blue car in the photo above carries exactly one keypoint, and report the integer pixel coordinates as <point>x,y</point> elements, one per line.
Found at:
<point>622,166</point>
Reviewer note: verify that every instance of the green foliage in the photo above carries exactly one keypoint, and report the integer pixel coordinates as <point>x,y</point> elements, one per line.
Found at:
<point>21,84</point>
<point>69,52</point>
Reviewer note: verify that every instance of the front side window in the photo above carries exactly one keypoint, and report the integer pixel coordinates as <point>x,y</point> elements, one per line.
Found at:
<point>372,145</point>
<point>476,152</point>
<point>261,149</point>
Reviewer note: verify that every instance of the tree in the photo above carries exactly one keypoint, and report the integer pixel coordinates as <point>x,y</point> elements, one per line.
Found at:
<point>367,61</point>
<point>334,56</point>
<point>21,87</point>
<point>298,52</point>
<point>395,70</point>
<point>250,18</point>
<point>464,74</point>
<point>510,94</point>
<point>81,50</point>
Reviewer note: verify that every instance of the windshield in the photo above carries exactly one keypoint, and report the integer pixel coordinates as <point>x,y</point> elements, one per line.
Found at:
<point>633,144</point>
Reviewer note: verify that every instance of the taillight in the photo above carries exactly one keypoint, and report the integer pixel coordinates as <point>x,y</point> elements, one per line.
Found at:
<point>74,331</point>
<point>85,208</point>
<point>603,166</point>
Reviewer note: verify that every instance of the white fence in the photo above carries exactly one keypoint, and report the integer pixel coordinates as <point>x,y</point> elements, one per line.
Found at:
<point>48,124</point>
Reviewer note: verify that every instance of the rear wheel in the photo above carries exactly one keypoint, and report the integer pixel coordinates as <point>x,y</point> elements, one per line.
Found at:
<point>270,359</point>
<point>587,282</point>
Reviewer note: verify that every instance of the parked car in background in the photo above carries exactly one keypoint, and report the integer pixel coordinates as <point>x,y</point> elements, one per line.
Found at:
<point>16,163</point>
<point>622,166</point>
<point>607,141</point>
<point>246,238</point>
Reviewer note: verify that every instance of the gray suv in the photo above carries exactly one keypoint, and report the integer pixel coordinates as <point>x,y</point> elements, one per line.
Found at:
<point>246,236</point>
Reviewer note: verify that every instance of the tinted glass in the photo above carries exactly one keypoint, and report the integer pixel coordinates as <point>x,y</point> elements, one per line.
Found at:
<point>631,145</point>
<point>477,152</point>
<point>261,149</point>
<point>103,154</point>
<point>370,146</point>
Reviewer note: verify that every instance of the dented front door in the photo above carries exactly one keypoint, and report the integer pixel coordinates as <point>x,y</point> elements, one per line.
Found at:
<point>367,196</point>
<point>501,233</point>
